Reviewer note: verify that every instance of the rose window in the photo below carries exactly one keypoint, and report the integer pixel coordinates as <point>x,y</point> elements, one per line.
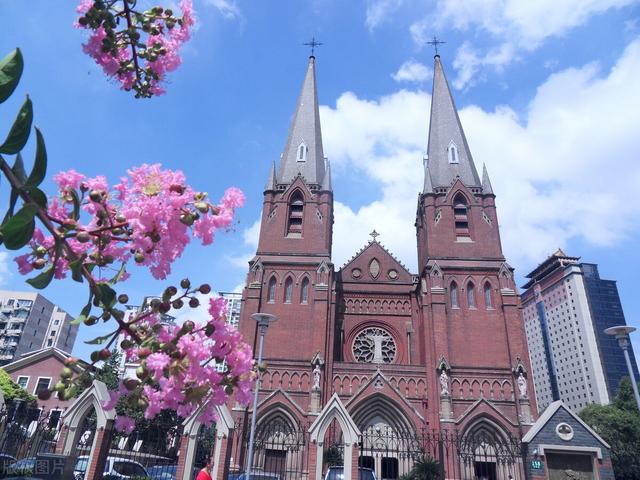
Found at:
<point>374,345</point>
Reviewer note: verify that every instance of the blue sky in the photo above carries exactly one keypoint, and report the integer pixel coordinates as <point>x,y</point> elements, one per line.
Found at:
<point>547,93</point>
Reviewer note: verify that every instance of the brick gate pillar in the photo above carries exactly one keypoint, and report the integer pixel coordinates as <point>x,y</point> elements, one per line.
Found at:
<point>182,455</point>
<point>98,457</point>
<point>355,457</point>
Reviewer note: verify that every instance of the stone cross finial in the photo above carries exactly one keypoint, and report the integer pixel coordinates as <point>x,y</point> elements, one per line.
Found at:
<point>374,235</point>
<point>435,42</point>
<point>313,44</point>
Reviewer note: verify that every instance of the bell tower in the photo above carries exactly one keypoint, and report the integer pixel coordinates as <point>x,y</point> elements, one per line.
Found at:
<point>467,292</point>
<point>291,273</point>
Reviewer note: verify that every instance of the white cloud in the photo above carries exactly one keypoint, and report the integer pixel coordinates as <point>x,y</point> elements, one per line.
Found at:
<point>379,10</point>
<point>250,237</point>
<point>5,272</point>
<point>227,8</point>
<point>516,26</point>
<point>565,171</point>
<point>412,71</point>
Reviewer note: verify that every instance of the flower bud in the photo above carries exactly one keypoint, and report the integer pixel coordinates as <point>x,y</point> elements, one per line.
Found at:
<point>123,298</point>
<point>202,206</point>
<point>131,383</point>
<point>144,352</point>
<point>177,304</point>
<point>96,195</point>
<point>179,189</point>
<point>185,283</point>
<point>70,361</point>
<point>187,219</point>
<point>164,307</point>
<point>188,326</point>
<point>105,353</point>
<point>126,344</point>
<point>139,257</point>
<point>83,237</point>
<point>141,373</point>
<point>204,288</point>
<point>95,356</point>
<point>66,373</point>
<point>39,263</point>
<point>40,251</point>
<point>170,291</point>
<point>194,302</point>
<point>59,387</point>
<point>91,320</point>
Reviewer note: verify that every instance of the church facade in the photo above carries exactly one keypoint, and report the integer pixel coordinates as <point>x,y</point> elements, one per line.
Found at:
<point>371,345</point>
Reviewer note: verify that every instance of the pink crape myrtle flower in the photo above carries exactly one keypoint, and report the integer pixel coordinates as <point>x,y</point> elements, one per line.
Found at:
<point>125,424</point>
<point>154,209</point>
<point>191,375</point>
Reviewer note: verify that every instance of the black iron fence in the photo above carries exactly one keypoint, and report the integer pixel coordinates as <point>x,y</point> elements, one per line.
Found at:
<point>26,432</point>
<point>482,455</point>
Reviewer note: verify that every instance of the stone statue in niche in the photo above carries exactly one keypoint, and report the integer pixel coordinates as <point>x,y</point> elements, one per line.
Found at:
<point>522,385</point>
<point>444,383</point>
<point>316,377</point>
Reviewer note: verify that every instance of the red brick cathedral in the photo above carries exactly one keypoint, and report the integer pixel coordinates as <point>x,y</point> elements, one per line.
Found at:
<point>372,345</point>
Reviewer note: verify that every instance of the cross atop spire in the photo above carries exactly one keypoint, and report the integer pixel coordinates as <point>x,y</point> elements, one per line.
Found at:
<point>313,44</point>
<point>435,42</point>
<point>374,235</point>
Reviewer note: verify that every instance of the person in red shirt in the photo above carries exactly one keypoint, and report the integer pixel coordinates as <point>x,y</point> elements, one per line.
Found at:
<point>207,470</point>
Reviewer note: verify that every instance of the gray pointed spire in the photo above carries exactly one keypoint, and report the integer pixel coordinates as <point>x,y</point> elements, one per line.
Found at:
<point>428,184</point>
<point>326,181</point>
<point>486,183</point>
<point>303,152</point>
<point>449,154</point>
<point>271,182</point>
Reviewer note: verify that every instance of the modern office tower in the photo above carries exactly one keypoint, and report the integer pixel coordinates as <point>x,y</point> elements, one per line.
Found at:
<point>566,308</point>
<point>29,322</point>
<point>234,302</point>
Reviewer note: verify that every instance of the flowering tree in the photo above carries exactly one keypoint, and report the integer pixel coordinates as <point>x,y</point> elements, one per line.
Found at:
<point>91,231</point>
<point>135,47</point>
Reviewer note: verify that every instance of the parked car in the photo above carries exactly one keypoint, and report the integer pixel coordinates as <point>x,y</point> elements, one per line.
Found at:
<point>337,473</point>
<point>115,468</point>
<point>162,472</point>
<point>26,466</point>
<point>254,476</point>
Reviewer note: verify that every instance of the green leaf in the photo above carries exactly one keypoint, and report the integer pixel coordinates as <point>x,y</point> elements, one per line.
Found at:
<point>43,279</point>
<point>84,313</point>
<point>40,165</point>
<point>101,339</point>
<point>18,168</point>
<point>18,230</point>
<point>19,133</point>
<point>10,72</point>
<point>76,268</point>
<point>37,195</point>
<point>76,204</point>
<point>107,295</point>
<point>118,276</point>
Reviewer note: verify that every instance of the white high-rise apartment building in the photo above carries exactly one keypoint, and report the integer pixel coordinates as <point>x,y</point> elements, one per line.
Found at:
<point>566,307</point>
<point>29,322</point>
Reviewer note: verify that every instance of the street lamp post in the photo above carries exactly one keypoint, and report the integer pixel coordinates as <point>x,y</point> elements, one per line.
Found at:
<point>622,335</point>
<point>263,319</point>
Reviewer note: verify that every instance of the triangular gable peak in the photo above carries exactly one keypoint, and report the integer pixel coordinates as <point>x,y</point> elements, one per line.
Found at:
<point>556,414</point>
<point>224,423</point>
<point>281,397</point>
<point>374,263</point>
<point>379,384</point>
<point>458,187</point>
<point>334,410</point>
<point>300,184</point>
<point>479,408</point>
<point>38,355</point>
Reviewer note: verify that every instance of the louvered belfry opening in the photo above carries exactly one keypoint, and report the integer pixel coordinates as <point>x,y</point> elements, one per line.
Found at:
<point>460,213</point>
<point>296,215</point>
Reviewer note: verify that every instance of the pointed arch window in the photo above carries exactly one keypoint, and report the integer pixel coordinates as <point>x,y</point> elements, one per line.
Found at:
<point>461,216</point>
<point>271,291</point>
<point>471,295</point>
<point>453,293</point>
<point>488,301</point>
<point>452,152</point>
<point>304,291</point>
<point>296,215</point>
<point>302,152</point>
<point>288,290</point>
